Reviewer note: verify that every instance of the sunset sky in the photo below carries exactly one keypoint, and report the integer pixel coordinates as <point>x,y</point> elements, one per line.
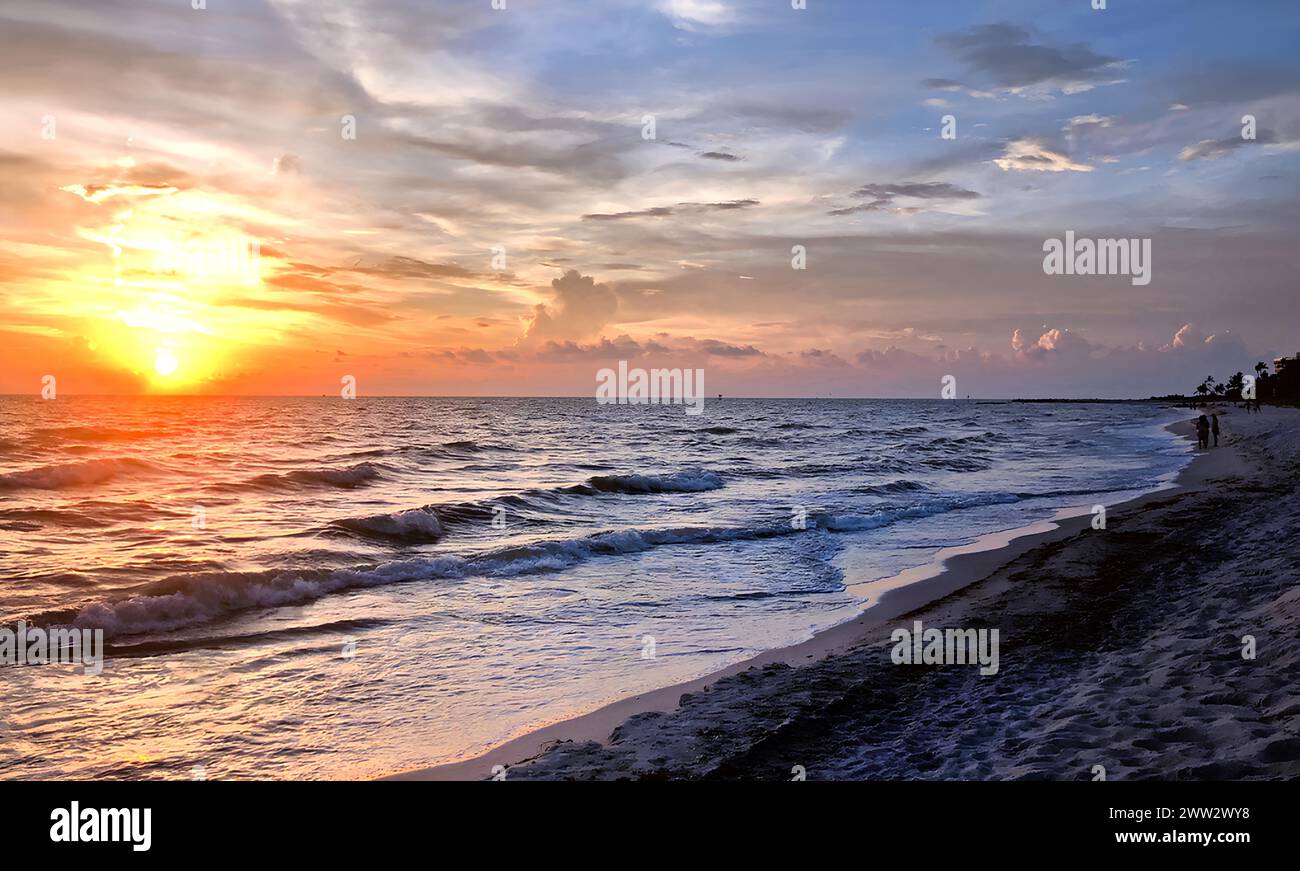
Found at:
<point>135,133</point>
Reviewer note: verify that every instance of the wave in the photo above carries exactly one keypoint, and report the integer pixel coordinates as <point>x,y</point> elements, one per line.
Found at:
<point>193,599</point>
<point>694,481</point>
<point>90,434</point>
<point>939,505</point>
<point>330,630</point>
<point>37,518</point>
<point>413,524</point>
<point>432,522</point>
<point>62,476</point>
<point>903,485</point>
<point>473,447</point>
<point>956,464</point>
<point>710,430</point>
<point>346,478</point>
<point>804,470</point>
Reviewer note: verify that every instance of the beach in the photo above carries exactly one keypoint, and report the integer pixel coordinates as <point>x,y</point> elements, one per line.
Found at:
<point>1163,646</point>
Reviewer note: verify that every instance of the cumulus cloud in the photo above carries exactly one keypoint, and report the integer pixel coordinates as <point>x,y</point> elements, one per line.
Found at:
<point>580,308</point>
<point>1053,343</point>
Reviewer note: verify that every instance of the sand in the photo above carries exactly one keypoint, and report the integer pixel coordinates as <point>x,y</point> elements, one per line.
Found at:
<point>1120,648</point>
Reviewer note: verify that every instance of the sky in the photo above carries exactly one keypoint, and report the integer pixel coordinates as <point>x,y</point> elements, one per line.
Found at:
<point>447,198</point>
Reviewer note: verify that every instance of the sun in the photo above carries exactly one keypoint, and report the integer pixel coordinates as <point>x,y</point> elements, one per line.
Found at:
<point>165,362</point>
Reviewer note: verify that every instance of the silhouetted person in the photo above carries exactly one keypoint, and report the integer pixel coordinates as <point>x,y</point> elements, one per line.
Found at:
<point>1214,428</point>
<point>1202,431</point>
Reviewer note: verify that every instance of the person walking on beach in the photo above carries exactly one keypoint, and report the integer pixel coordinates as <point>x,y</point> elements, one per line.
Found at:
<point>1202,431</point>
<point>1214,428</point>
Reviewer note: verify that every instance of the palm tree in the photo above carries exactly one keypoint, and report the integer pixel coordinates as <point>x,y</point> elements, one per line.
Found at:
<point>1261,380</point>
<point>1235,385</point>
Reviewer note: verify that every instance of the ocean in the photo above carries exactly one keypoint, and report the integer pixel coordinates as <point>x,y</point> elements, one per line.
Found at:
<point>308,588</point>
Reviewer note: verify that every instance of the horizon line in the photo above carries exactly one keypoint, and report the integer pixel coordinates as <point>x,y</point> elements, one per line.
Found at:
<point>37,395</point>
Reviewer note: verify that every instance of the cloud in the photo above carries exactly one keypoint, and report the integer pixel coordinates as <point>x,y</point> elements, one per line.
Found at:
<point>1007,56</point>
<point>97,193</point>
<point>720,155</point>
<point>666,211</point>
<point>624,347</point>
<point>581,307</point>
<point>1213,149</point>
<point>690,14</point>
<point>1087,121</point>
<point>1034,155</point>
<point>1070,359</point>
<point>881,197</point>
<point>1053,343</point>
<point>716,348</point>
<point>287,164</point>
<point>410,267</point>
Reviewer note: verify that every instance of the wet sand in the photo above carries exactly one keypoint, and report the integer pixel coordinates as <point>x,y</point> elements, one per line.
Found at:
<point>1119,648</point>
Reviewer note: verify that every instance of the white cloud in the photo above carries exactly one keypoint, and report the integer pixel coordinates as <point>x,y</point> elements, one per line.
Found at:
<point>687,13</point>
<point>1033,155</point>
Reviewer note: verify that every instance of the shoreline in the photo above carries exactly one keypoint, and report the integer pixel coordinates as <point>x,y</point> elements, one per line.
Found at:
<point>948,572</point>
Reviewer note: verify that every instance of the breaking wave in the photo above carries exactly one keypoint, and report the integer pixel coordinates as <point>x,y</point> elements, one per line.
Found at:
<point>192,599</point>
<point>414,524</point>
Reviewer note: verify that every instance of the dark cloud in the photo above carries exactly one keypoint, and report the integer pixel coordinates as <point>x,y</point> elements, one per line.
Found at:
<point>720,155</point>
<point>1007,56</point>
<point>715,348</point>
<point>624,347</point>
<point>666,211</point>
<point>410,267</point>
<point>926,190</point>
<point>597,159</point>
<point>882,196</point>
<point>1213,149</point>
